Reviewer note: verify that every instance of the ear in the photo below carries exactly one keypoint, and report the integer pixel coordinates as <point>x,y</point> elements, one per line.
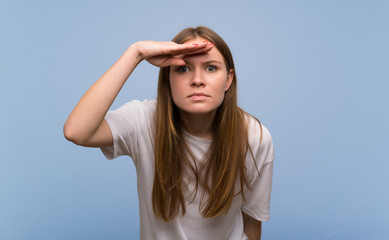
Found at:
<point>230,77</point>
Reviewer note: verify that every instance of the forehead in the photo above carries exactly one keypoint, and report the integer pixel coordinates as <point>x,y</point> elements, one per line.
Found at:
<point>212,55</point>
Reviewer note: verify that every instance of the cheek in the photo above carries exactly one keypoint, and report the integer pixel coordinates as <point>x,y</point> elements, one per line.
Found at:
<point>221,84</point>
<point>221,96</point>
<point>219,90</point>
<point>176,89</point>
<point>173,85</point>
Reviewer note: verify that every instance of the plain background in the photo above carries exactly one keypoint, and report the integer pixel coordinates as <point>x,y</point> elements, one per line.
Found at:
<point>314,72</point>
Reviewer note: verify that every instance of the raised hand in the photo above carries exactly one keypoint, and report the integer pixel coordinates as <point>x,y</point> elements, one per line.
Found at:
<point>86,125</point>
<point>163,54</point>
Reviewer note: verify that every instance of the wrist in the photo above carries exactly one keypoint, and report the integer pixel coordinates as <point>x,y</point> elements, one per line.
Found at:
<point>134,52</point>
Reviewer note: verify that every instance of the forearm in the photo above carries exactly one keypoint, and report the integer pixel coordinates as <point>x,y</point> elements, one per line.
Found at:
<point>95,103</point>
<point>252,227</point>
<point>88,115</point>
<point>253,234</point>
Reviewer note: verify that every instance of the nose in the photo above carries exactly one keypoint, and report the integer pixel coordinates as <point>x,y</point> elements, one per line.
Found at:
<point>197,79</point>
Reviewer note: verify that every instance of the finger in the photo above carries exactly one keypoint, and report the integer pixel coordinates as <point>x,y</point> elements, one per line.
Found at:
<point>198,51</point>
<point>185,48</point>
<point>173,61</point>
<point>180,48</point>
<point>194,52</point>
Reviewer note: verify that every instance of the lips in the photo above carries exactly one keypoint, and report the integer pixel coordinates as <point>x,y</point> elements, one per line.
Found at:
<point>198,96</point>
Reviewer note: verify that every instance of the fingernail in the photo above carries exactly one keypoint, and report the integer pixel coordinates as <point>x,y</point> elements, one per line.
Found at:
<point>195,44</point>
<point>210,44</point>
<point>205,41</point>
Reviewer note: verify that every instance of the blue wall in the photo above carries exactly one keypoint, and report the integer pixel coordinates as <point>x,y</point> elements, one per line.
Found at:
<point>314,72</point>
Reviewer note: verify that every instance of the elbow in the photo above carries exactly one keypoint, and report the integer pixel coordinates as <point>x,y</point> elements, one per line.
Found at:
<point>72,135</point>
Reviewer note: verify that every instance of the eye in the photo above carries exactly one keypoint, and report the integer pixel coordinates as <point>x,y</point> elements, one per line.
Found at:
<point>211,68</point>
<point>182,69</point>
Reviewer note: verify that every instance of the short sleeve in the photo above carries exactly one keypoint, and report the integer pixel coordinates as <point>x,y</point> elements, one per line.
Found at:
<point>127,124</point>
<point>257,198</point>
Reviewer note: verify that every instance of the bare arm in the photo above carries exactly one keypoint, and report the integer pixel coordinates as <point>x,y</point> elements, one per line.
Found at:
<point>86,119</point>
<point>86,125</point>
<point>252,227</point>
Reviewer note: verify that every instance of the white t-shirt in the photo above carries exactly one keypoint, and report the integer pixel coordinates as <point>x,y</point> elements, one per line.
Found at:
<point>132,130</point>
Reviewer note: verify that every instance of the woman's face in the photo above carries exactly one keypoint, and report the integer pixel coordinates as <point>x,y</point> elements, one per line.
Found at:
<point>199,86</point>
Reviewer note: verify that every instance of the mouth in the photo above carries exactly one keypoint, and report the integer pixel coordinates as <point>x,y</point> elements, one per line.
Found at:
<point>198,96</point>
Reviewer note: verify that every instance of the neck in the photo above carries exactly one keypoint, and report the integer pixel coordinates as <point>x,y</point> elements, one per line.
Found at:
<point>199,125</point>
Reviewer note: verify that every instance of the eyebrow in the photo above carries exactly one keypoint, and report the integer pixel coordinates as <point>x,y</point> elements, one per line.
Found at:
<point>205,63</point>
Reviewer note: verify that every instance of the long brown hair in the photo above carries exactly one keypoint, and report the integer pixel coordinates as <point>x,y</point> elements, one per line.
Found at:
<point>224,163</point>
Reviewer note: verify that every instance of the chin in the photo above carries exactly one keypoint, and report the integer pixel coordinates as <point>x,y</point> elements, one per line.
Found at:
<point>198,110</point>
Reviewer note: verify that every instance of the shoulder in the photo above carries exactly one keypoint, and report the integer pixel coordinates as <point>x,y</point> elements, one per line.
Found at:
<point>133,113</point>
<point>259,137</point>
<point>147,104</point>
<point>136,108</point>
<point>258,133</point>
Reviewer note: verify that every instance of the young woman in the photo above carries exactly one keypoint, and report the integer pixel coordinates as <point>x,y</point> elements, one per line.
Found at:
<point>204,166</point>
